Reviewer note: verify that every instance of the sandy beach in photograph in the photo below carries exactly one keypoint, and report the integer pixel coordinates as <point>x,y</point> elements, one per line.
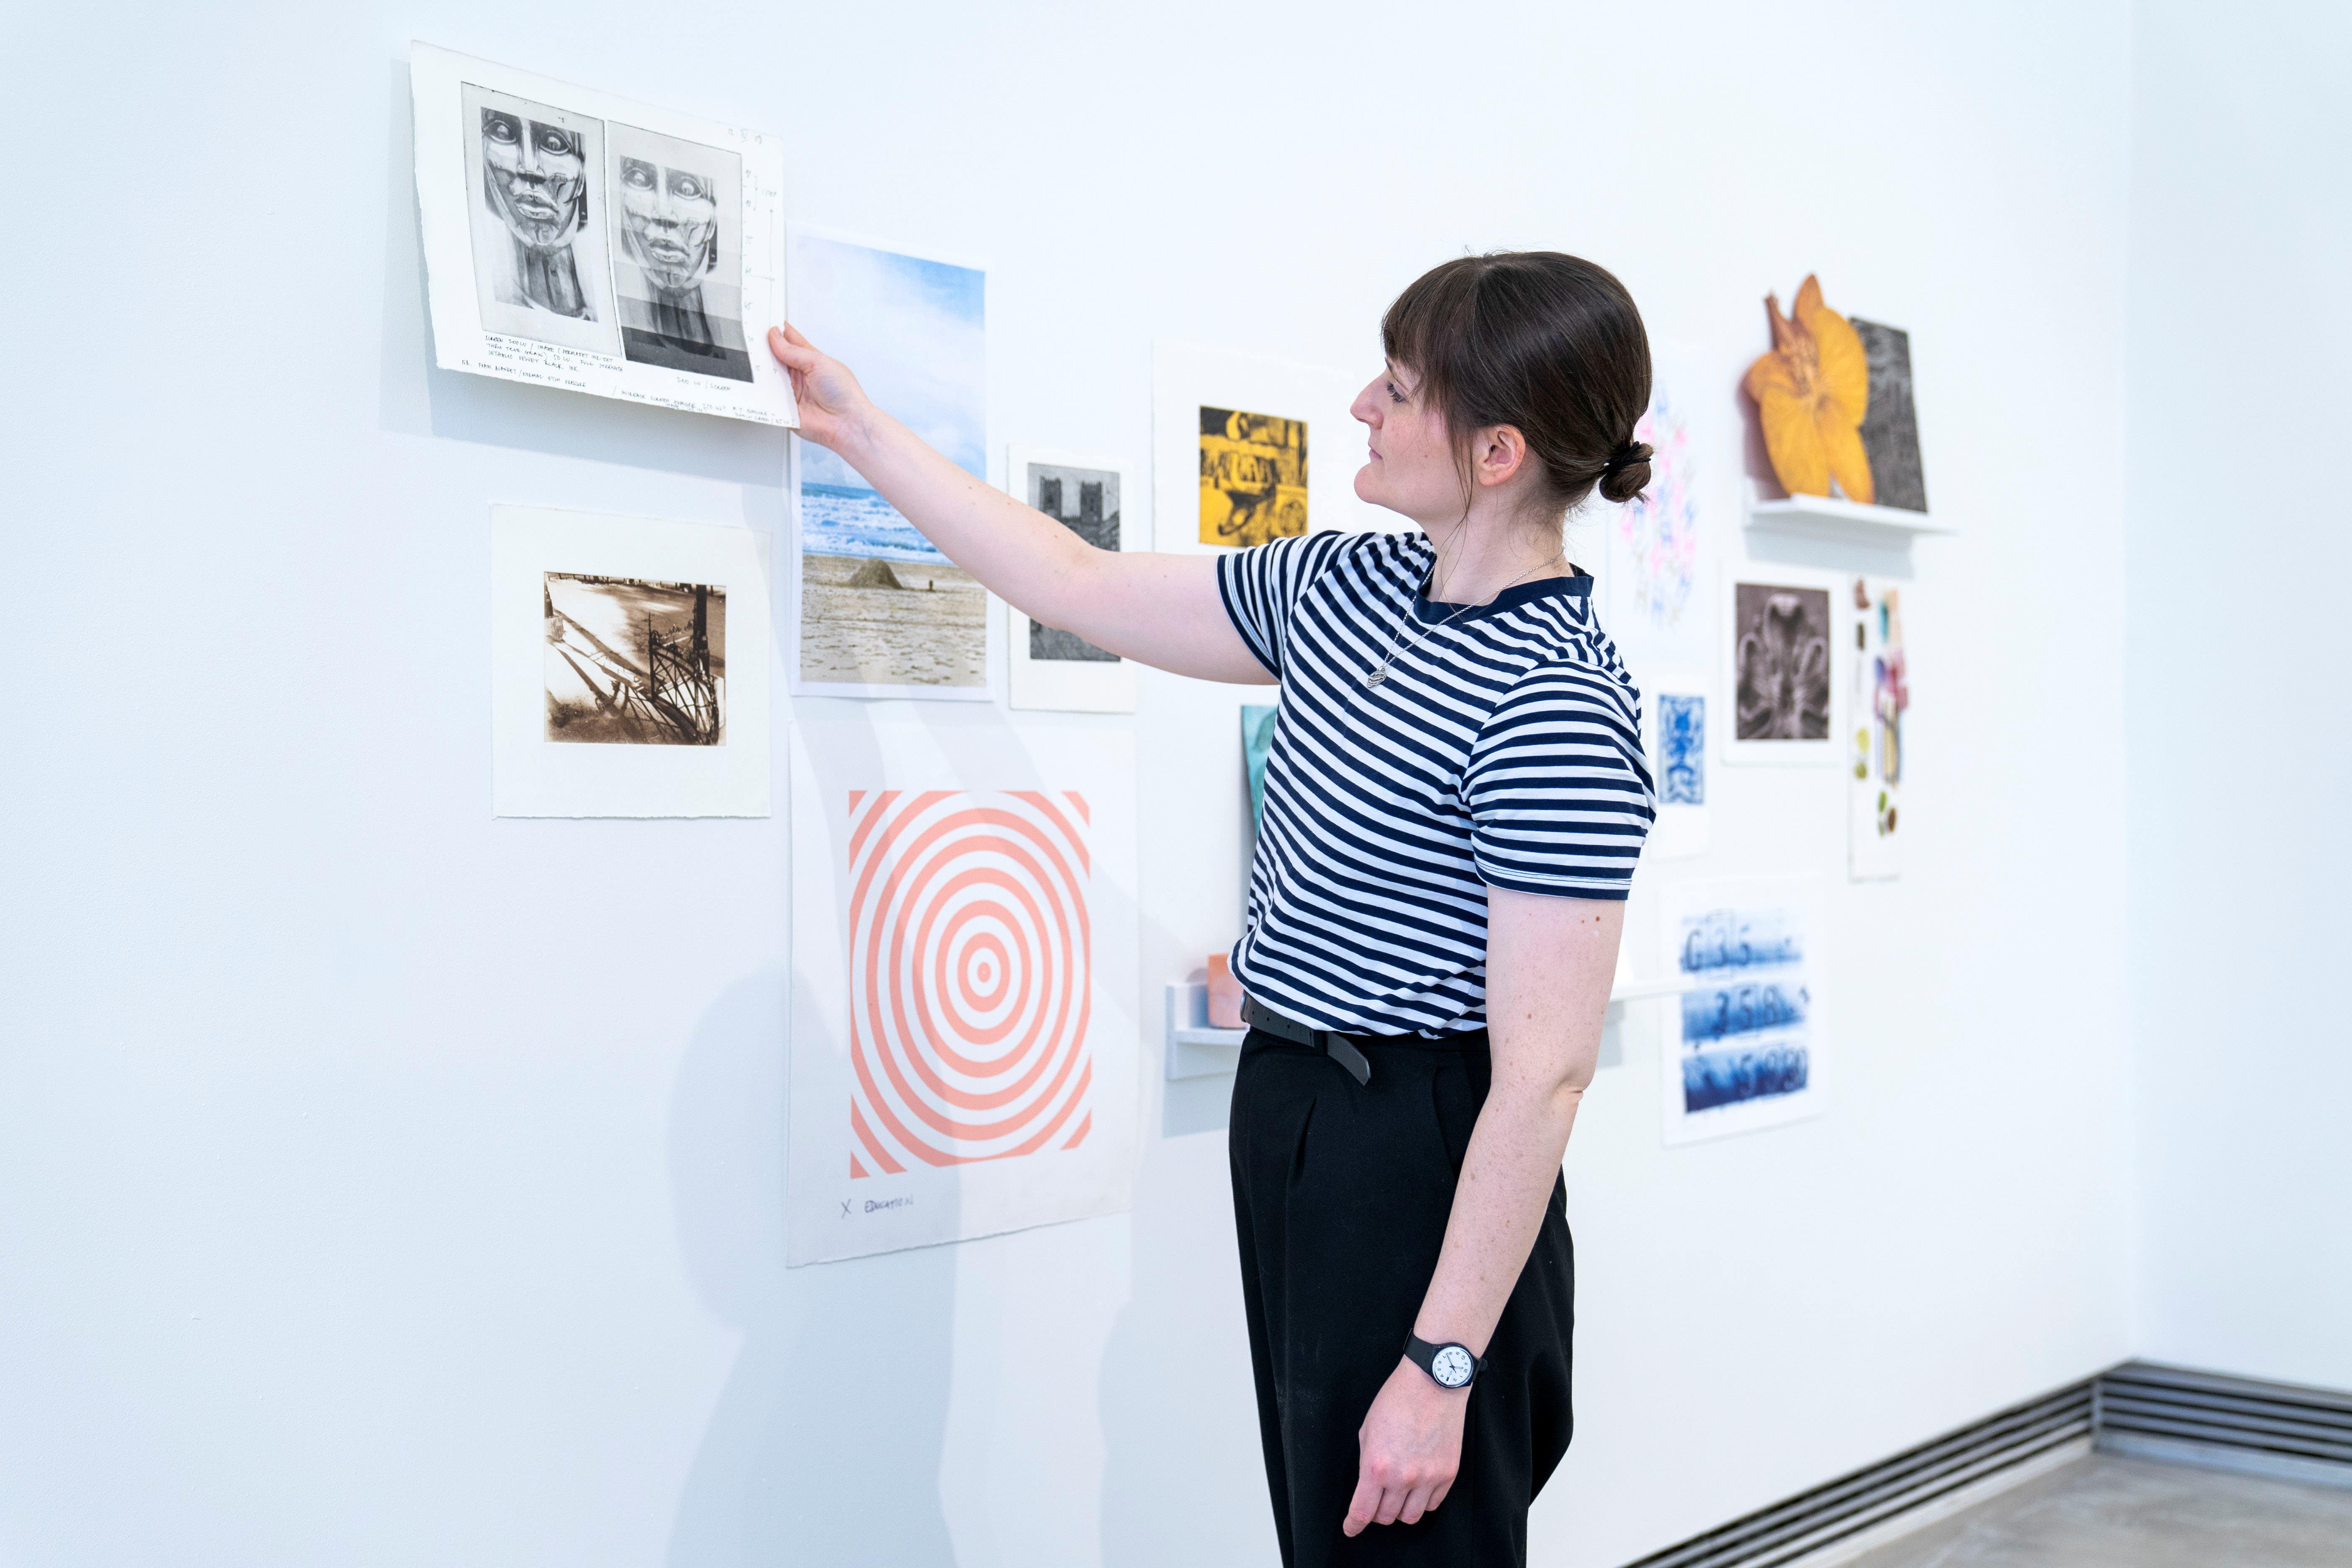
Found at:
<point>891,623</point>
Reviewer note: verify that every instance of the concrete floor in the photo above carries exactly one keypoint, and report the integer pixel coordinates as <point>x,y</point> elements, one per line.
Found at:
<point>2106,1512</point>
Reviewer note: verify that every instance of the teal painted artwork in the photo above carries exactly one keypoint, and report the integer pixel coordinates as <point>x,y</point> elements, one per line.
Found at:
<point>1257,735</point>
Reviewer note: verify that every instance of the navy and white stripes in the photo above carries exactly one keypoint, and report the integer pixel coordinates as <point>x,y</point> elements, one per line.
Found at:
<point>1503,749</point>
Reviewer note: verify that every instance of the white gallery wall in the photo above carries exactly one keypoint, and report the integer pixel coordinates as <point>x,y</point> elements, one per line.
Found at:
<point>383,1184</point>
<point>2241,332</point>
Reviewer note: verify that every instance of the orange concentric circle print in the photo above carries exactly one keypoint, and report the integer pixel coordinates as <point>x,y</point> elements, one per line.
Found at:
<point>969,976</point>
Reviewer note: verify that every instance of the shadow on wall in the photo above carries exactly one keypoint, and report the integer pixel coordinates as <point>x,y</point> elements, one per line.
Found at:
<point>1174,1390</point>
<point>1175,1371</point>
<point>826,1445</point>
<point>417,398</point>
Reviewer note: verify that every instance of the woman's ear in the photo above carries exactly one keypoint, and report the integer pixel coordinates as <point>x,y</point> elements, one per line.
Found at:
<point>1498,453</point>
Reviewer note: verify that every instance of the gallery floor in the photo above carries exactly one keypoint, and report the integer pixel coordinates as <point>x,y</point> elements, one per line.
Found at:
<point>2104,1512</point>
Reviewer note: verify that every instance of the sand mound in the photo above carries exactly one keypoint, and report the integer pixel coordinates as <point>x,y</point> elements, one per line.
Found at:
<point>876,573</point>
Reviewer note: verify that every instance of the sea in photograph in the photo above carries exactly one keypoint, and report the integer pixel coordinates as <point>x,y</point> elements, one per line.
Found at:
<point>841,520</point>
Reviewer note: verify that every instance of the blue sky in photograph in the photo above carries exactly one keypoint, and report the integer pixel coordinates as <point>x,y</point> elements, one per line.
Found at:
<point>911,331</point>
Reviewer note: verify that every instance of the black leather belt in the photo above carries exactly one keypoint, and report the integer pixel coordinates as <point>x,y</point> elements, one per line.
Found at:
<point>1340,1047</point>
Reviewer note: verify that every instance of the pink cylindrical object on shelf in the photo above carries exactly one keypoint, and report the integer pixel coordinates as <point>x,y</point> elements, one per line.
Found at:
<point>1224,995</point>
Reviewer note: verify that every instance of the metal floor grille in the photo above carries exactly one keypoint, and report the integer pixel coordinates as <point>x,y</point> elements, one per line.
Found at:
<point>1870,1497</point>
<point>2139,1408</point>
<point>2228,1423</point>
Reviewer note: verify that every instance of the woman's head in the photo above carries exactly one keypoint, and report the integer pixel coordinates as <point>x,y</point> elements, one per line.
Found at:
<point>1518,375</point>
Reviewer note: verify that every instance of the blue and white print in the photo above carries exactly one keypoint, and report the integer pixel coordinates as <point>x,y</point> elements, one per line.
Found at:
<point>1681,741</point>
<point>1743,1042</point>
<point>1745,1038</point>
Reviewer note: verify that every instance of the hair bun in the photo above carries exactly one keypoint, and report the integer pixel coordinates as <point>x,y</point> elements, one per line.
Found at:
<point>1628,473</point>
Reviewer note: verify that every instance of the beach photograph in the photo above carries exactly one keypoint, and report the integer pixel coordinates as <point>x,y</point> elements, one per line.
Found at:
<point>879,606</point>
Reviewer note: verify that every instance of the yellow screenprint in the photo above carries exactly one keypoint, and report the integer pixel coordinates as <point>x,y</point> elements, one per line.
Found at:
<point>1252,478</point>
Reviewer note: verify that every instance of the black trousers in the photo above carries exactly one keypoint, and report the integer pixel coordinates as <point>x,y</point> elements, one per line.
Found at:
<point>1341,1192</point>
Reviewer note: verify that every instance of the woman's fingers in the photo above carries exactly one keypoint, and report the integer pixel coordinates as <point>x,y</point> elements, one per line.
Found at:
<point>1361,1506</point>
<point>1392,1502</point>
<point>792,349</point>
<point>1417,1502</point>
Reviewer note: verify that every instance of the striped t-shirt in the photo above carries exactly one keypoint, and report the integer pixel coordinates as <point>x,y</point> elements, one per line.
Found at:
<point>1503,749</point>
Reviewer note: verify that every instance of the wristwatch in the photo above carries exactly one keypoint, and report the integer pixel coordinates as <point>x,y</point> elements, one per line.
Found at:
<point>1449,1366</point>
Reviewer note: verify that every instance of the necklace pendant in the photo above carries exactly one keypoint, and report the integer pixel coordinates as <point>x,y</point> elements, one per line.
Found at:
<point>1375,676</point>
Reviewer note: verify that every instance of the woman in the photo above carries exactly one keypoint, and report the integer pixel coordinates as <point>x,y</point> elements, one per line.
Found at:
<point>1454,800</point>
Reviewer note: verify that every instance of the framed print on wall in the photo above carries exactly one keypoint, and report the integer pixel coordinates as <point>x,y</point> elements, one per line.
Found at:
<point>1675,733</point>
<point>1247,450</point>
<point>1046,667</point>
<point>628,666</point>
<point>1783,695</point>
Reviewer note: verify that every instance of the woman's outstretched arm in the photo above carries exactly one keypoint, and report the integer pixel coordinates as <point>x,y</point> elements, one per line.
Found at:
<point>1162,610</point>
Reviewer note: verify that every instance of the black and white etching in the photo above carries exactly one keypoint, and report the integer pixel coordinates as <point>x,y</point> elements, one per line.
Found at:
<point>678,216</point>
<point>1890,428</point>
<point>539,256</point>
<point>1782,658</point>
<point>1086,501</point>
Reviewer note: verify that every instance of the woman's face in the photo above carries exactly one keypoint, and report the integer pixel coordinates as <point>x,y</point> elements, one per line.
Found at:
<point>1412,469</point>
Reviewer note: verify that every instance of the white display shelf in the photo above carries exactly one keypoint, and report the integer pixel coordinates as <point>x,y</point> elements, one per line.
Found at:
<point>1626,991</point>
<point>1196,1050</point>
<point>1822,517</point>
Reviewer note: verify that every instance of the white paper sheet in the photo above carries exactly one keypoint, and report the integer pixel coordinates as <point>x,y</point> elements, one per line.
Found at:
<point>1659,557</point>
<point>1746,1050</point>
<point>1878,731</point>
<point>1097,499</point>
<point>965,997</point>
<point>579,240</point>
<point>628,666</point>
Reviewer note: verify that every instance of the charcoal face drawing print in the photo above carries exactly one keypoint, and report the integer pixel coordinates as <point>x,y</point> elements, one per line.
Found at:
<point>540,269</point>
<point>535,175</point>
<point>676,261</point>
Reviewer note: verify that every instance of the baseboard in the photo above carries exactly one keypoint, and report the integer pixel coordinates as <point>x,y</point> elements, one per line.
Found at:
<point>2140,1408</point>
<point>1921,1515</point>
<point>1895,1496</point>
<point>2183,1416</point>
<point>2214,1456</point>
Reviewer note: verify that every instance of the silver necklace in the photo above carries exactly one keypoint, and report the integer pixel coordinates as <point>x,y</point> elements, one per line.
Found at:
<point>1398,647</point>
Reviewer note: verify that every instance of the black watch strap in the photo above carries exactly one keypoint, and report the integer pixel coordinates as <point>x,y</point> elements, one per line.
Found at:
<point>1448,1373</point>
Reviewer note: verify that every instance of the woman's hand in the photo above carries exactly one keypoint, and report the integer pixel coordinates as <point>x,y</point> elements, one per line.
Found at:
<point>1408,1449</point>
<point>833,408</point>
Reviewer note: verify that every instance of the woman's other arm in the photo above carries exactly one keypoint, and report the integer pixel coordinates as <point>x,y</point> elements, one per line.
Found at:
<point>1550,961</point>
<point>1162,610</point>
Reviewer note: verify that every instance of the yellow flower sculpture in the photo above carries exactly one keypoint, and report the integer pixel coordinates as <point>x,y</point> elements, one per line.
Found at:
<point>1810,392</point>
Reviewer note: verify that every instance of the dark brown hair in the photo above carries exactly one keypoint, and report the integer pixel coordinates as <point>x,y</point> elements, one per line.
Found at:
<point>1548,343</point>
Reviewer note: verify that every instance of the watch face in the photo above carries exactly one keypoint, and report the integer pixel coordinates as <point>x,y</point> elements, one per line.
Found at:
<point>1452,1366</point>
